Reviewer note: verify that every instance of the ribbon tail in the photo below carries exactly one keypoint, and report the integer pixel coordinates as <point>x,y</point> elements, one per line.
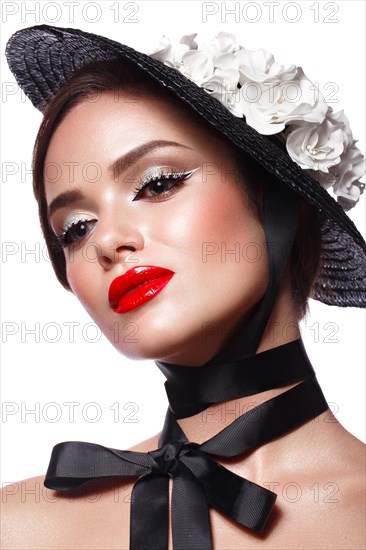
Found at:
<point>190,515</point>
<point>149,513</point>
<point>238,498</point>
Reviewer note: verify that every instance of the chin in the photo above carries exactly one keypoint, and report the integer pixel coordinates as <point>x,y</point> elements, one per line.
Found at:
<point>148,348</point>
<point>152,337</point>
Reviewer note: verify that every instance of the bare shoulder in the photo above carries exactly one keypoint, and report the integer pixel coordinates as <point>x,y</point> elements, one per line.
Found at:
<point>348,456</point>
<point>34,517</point>
<point>333,492</point>
<point>25,513</point>
<point>352,476</point>
<point>334,487</point>
<point>93,516</point>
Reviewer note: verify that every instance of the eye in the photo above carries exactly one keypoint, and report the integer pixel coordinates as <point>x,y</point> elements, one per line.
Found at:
<point>76,231</point>
<point>160,185</point>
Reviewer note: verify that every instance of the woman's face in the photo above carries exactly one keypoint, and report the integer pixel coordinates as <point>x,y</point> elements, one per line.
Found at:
<point>197,224</point>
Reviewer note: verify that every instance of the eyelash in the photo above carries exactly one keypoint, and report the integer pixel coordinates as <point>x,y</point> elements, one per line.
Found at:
<point>64,237</point>
<point>177,177</point>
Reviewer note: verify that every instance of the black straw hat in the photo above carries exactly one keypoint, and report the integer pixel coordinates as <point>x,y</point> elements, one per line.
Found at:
<point>43,58</point>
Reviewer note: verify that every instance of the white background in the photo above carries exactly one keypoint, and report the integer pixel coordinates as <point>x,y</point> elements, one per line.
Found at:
<point>44,375</point>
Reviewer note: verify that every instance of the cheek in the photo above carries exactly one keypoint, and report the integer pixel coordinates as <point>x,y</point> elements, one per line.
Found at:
<point>212,217</point>
<point>216,245</point>
<point>83,284</point>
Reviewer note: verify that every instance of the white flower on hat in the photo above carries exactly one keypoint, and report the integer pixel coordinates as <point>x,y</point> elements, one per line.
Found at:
<point>347,187</point>
<point>198,66</point>
<point>171,54</point>
<point>329,151</point>
<point>318,146</point>
<point>260,66</point>
<point>223,82</point>
<point>222,43</point>
<point>275,100</point>
<point>275,105</point>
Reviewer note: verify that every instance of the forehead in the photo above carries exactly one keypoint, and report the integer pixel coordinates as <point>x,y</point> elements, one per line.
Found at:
<point>107,117</point>
<point>99,130</point>
<point>109,125</point>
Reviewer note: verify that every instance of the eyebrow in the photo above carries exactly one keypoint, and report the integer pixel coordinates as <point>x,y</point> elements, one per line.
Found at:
<point>116,167</point>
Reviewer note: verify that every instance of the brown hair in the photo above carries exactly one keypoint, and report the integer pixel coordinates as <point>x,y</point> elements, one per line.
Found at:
<point>128,82</point>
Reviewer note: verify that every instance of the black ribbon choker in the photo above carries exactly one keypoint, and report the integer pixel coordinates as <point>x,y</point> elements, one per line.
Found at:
<point>198,480</point>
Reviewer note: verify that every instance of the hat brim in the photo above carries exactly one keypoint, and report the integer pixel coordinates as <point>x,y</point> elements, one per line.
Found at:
<point>43,58</point>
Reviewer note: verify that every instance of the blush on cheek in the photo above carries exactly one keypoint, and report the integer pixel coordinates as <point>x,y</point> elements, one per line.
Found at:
<point>227,217</point>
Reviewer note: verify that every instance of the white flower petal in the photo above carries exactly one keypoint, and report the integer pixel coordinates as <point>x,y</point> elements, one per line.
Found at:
<point>225,42</point>
<point>189,40</point>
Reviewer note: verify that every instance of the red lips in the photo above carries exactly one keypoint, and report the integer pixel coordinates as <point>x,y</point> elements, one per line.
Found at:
<point>137,286</point>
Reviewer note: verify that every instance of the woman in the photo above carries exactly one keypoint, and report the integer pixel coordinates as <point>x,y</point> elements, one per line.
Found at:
<point>183,181</point>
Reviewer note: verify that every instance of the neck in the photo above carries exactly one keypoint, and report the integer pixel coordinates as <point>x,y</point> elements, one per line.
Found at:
<point>281,329</point>
<point>283,325</point>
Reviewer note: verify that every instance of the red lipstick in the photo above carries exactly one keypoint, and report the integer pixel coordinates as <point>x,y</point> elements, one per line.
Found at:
<point>137,286</point>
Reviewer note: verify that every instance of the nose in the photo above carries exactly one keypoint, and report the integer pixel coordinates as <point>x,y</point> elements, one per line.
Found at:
<point>117,253</point>
<point>118,245</point>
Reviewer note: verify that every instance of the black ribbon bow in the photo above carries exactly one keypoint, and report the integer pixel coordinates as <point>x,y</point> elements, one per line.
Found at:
<point>199,482</point>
